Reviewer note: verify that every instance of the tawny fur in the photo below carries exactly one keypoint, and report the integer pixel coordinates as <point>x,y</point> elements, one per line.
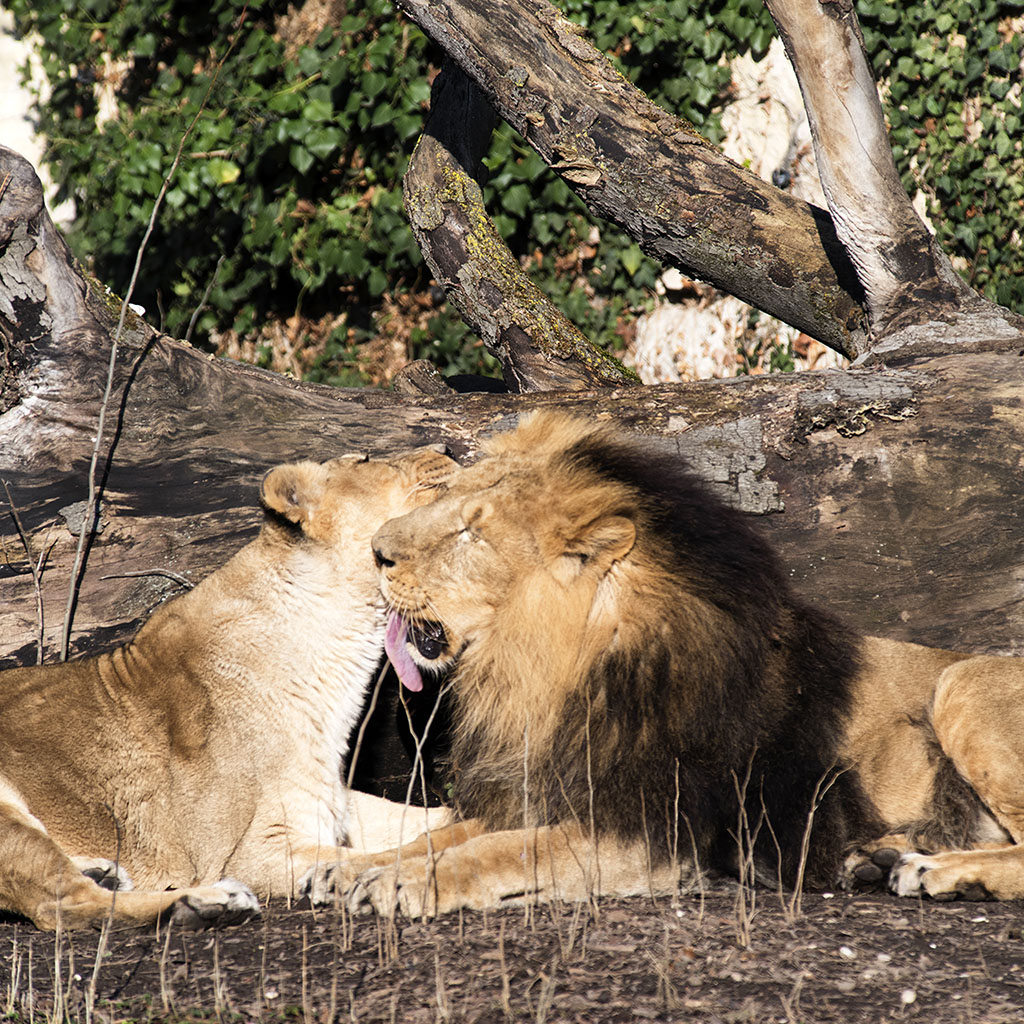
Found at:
<point>636,690</point>
<point>212,744</point>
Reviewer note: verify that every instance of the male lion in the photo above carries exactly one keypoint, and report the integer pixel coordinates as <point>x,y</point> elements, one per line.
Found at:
<point>637,692</point>
<point>210,745</point>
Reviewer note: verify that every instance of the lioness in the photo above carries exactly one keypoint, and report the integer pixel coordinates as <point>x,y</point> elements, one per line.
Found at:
<point>211,745</point>
<point>637,692</point>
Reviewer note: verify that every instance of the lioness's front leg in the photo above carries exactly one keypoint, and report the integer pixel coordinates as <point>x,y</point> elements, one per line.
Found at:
<point>550,863</point>
<point>40,882</point>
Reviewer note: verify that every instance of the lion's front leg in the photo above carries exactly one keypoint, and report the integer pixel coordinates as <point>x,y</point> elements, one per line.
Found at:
<point>501,868</point>
<point>993,874</point>
<point>332,873</point>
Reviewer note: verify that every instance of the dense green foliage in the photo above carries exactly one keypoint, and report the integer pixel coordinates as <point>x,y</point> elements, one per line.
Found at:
<point>288,198</point>
<point>954,107</point>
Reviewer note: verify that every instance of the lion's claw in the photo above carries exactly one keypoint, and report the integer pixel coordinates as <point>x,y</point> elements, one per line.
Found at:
<point>375,889</point>
<point>107,874</point>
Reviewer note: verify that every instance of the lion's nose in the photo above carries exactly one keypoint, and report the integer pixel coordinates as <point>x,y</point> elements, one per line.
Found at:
<point>382,560</point>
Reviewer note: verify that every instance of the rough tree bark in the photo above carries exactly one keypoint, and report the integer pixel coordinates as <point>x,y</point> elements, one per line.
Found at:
<point>539,349</point>
<point>915,301</point>
<point>890,492</point>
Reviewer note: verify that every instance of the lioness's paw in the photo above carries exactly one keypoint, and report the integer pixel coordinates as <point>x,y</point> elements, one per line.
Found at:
<point>107,874</point>
<point>224,903</point>
<point>918,874</point>
<point>868,869</point>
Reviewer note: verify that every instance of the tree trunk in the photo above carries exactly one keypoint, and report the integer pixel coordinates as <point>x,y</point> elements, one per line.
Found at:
<point>892,495</point>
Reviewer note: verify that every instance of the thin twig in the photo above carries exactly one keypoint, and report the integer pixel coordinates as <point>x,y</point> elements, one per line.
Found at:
<point>358,745</point>
<point>89,520</point>
<point>35,568</point>
<point>202,302</point>
<point>108,923</point>
<point>180,580</point>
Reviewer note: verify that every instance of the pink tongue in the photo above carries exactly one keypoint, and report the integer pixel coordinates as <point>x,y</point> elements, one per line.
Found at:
<point>394,645</point>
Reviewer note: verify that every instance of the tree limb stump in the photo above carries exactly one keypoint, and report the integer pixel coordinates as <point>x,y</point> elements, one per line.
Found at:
<point>539,349</point>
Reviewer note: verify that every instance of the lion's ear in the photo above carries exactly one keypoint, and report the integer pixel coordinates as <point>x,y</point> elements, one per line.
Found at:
<point>602,543</point>
<point>293,490</point>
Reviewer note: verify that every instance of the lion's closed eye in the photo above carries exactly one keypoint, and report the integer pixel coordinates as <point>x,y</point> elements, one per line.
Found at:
<point>474,516</point>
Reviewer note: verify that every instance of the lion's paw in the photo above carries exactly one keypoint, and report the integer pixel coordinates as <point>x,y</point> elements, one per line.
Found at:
<point>107,874</point>
<point>226,902</point>
<point>868,869</point>
<point>326,883</point>
<point>920,874</point>
<point>390,891</point>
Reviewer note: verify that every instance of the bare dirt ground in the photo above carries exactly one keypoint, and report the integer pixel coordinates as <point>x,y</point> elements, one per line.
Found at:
<point>855,959</point>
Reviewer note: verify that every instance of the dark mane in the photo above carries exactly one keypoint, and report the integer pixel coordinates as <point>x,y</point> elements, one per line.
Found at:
<point>667,729</point>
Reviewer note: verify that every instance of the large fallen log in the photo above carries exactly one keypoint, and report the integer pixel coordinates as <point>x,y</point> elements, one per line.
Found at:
<point>892,494</point>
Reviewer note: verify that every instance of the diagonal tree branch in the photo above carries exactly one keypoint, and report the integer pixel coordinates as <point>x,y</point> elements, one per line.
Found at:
<point>650,171</point>
<point>540,350</point>
<point>907,279</point>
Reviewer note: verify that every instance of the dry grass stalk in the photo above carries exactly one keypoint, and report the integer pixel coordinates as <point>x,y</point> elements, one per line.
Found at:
<point>506,981</point>
<point>441,995</point>
<point>166,992</point>
<point>746,840</point>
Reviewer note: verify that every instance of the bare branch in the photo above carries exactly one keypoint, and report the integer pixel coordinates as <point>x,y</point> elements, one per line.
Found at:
<point>539,348</point>
<point>91,516</point>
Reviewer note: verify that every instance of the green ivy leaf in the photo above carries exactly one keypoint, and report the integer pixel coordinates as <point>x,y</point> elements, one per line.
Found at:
<point>516,199</point>
<point>300,158</point>
<point>631,259</point>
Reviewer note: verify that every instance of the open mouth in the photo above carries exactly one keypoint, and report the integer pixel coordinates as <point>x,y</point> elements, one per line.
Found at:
<point>428,638</point>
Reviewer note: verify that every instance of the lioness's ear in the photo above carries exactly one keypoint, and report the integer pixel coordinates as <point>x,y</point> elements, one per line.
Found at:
<point>429,468</point>
<point>603,542</point>
<point>293,490</point>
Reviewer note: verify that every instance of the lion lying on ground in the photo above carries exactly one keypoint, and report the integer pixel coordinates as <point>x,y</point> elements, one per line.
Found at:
<point>211,745</point>
<point>638,693</point>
